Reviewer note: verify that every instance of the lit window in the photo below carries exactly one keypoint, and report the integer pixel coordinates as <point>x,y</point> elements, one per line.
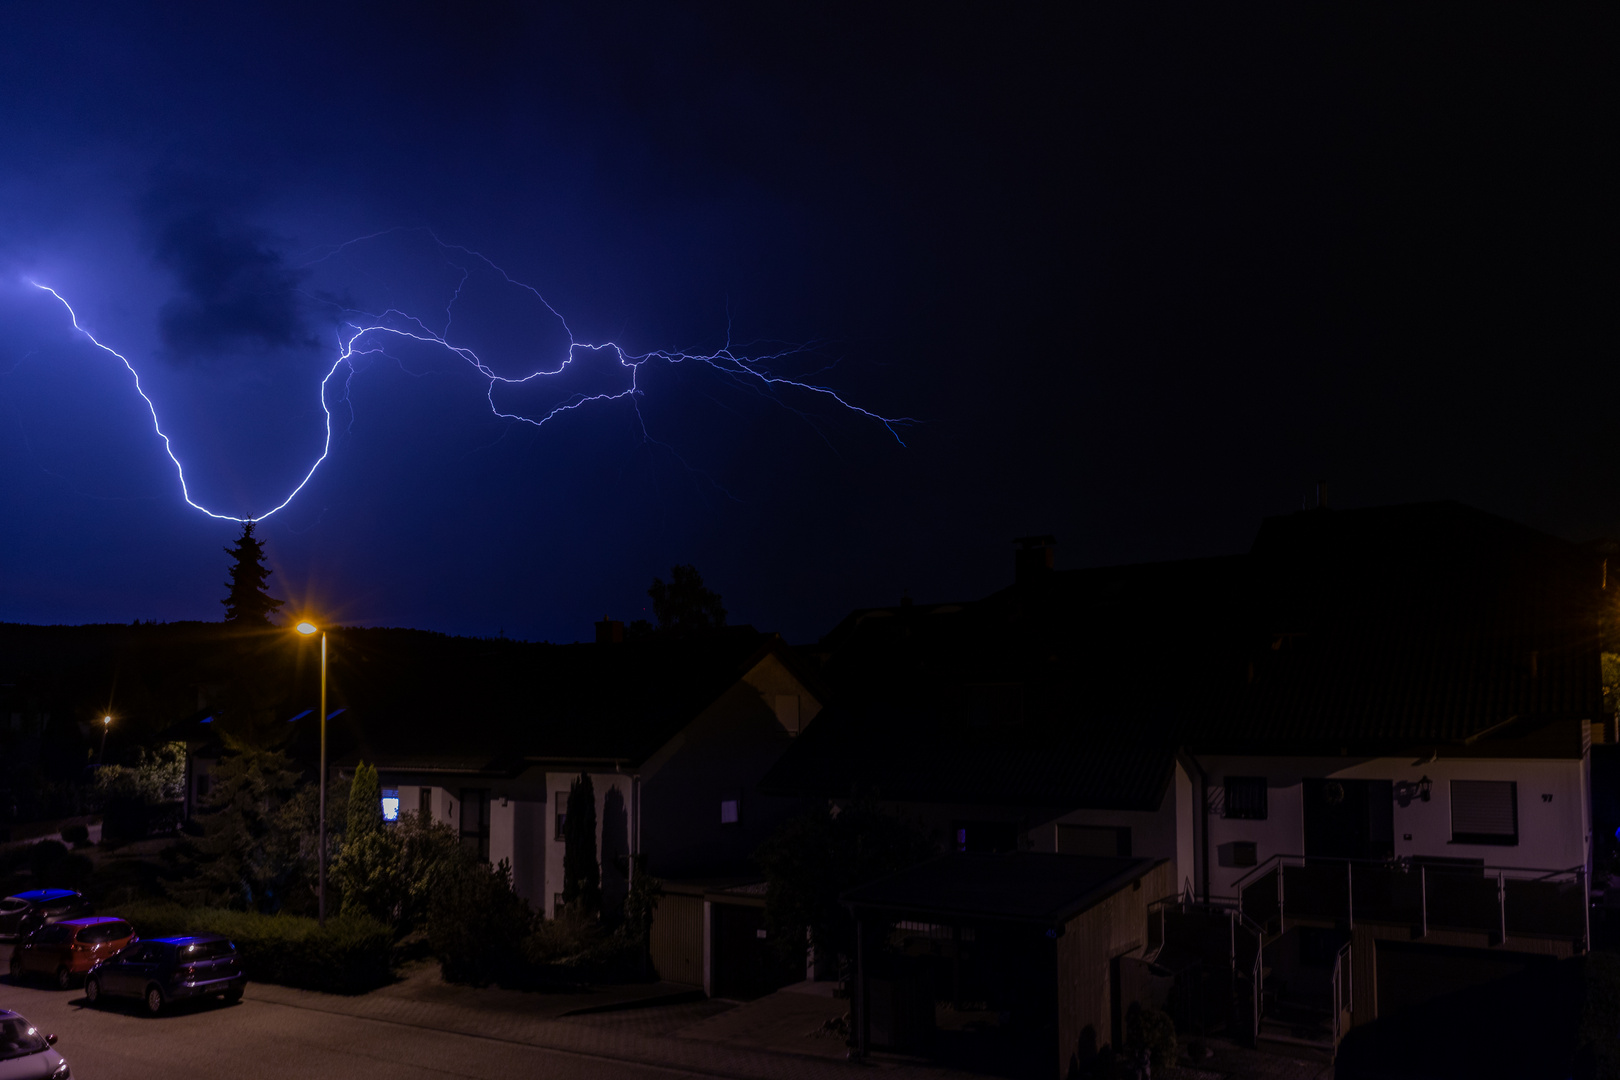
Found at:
<point>390,804</point>
<point>728,811</point>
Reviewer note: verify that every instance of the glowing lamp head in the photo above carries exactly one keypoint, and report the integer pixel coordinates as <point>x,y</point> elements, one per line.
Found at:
<point>306,628</point>
<point>105,720</point>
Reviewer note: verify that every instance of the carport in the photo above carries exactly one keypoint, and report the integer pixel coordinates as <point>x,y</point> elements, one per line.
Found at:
<point>1009,962</point>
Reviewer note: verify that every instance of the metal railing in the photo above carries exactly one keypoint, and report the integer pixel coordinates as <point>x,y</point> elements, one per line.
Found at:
<point>1498,900</point>
<point>1204,930</point>
<point>1344,987</point>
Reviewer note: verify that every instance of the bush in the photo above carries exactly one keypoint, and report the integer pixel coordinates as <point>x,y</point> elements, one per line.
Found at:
<point>77,835</point>
<point>1153,1031</point>
<point>391,873</point>
<point>476,924</point>
<point>351,955</point>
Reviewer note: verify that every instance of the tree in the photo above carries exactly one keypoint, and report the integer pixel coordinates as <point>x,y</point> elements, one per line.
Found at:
<point>393,874</point>
<point>365,802</point>
<point>582,875</point>
<point>684,606</point>
<point>240,860</point>
<point>247,603</point>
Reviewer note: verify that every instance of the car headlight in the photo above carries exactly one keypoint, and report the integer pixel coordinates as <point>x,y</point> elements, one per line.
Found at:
<point>62,1072</point>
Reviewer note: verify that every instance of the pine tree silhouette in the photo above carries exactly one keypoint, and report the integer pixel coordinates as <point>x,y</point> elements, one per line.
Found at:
<point>247,604</point>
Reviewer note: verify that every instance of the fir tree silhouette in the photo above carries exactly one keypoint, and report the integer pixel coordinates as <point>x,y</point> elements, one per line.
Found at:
<point>247,604</point>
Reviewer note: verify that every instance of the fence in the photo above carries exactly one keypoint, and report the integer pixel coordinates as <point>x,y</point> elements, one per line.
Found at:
<point>1500,901</point>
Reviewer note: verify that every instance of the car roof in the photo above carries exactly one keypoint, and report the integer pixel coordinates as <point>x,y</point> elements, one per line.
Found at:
<point>90,920</point>
<point>36,896</point>
<point>190,939</point>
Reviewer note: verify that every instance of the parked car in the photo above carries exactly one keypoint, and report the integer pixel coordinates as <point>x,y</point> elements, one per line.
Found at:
<point>66,951</point>
<point>161,971</point>
<point>21,914</point>
<point>26,1054</point>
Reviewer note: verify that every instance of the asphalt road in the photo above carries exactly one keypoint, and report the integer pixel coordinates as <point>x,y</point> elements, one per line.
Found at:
<point>257,1038</point>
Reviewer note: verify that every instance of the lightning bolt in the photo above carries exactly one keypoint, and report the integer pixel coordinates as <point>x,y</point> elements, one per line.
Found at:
<point>371,334</point>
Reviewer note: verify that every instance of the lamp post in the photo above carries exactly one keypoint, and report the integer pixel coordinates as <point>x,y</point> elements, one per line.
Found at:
<point>308,628</point>
<point>101,758</point>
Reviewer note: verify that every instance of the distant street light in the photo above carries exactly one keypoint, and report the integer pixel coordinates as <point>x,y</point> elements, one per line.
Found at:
<point>101,758</point>
<point>308,628</point>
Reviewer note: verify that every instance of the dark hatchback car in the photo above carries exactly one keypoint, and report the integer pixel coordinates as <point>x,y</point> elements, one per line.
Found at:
<point>26,912</point>
<point>160,971</point>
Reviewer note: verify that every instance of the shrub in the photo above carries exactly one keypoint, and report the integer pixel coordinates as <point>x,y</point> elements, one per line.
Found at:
<point>77,835</point>
<point>350,955</point>
<point>391,873</point>
<point>476,924</point>
<point>1151,1030</point>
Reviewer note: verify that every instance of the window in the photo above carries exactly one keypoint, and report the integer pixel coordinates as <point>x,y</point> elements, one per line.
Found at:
<point>1245,853</point>
<point>1093,840</point>
<point>475,820</point>
<point>424,803</point>
<point>390,804</point>
<point>990,837</point>
<point>202,785</point>
<point>731,809</point>
<point>1484,812</point>
<point>1246,798</point>
<point>562,818</point>
<point>100,933</point>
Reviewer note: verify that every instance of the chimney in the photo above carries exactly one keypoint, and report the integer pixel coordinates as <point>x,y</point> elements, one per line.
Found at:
<point>1033,558</point>
<point>609,631</point>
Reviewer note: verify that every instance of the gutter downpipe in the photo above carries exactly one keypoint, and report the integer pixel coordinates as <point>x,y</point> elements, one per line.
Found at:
<point>1203,823</point>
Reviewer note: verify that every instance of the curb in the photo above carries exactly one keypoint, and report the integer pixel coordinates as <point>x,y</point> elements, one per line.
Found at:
<point>679,997</point>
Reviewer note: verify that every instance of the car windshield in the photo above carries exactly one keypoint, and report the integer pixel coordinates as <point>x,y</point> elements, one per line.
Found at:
<point>19,1038</point>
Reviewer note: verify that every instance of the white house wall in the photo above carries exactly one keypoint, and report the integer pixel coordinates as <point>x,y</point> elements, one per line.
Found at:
<point>1165,833</point>
<point>1553,810</point>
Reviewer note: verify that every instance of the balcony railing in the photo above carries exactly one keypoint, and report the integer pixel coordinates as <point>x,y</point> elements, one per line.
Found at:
<point>1497,900</point>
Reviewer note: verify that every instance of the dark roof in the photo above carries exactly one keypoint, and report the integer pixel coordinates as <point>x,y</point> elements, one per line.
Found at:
<point>1396,626</point>
<point>1343,631</point>
<point>1015,887</point>
<point>414,697</point>
<point>1061,693</point>
<point>920,755</point>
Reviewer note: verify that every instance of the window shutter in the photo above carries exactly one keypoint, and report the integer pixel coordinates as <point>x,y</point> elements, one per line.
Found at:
<point>1487,809</point>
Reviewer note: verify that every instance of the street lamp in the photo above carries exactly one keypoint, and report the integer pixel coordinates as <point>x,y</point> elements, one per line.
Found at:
<point>308,628</point>
<point>101,758</point>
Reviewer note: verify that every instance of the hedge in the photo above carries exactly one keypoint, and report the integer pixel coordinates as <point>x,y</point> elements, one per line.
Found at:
<point>351,955</point>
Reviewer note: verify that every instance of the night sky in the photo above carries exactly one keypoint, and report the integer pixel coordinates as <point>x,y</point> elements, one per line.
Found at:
<point>1141,279</point>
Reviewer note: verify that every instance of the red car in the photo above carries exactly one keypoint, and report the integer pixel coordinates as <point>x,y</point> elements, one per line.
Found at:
<point>66,951</point>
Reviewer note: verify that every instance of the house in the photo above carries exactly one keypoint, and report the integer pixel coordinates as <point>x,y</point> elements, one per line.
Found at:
<point>1363,747</point>
<point>674,735</point>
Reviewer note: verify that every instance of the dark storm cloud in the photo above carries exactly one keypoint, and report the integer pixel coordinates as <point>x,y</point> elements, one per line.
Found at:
<point>237,293</point>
